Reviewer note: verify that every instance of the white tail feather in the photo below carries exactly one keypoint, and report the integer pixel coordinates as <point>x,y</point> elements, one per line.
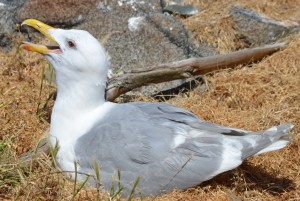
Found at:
<point>275,146</point>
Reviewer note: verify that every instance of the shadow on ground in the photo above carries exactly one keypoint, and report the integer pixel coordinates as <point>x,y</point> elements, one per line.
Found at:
<point>250,177</point>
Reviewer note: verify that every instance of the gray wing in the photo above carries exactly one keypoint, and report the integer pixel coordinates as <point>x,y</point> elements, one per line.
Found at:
<point>176,114</point>
<point>139,139</point>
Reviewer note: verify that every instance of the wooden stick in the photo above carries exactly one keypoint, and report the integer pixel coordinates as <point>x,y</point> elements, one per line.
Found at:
<point>185,69</point>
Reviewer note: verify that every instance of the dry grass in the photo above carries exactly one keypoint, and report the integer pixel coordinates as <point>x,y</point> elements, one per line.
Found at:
<point>214,26</point>
<point>286,10</point>
<point>252,97</point>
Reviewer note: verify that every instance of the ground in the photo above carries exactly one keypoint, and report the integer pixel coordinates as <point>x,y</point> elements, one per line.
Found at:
<point>251,97</point>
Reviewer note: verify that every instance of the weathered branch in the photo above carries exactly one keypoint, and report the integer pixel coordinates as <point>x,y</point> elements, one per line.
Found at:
<point>185,69</point>
<point>167,72</point>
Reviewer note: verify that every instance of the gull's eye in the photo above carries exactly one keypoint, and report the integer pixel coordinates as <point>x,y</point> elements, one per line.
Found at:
<point>71,44</point>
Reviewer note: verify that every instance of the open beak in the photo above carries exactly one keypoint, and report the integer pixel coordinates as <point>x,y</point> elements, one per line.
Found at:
<point>44,29</point>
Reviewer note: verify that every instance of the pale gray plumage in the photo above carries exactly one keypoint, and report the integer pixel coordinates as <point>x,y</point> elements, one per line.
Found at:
<point>166,146</point>
<point>135,138</point>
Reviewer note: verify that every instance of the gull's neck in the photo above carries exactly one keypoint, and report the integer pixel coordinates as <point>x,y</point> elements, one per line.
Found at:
<point>79,98</point>
<point>81,93</point>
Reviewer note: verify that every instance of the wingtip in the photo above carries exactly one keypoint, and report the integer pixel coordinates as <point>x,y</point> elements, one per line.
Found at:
<point>285,127</point>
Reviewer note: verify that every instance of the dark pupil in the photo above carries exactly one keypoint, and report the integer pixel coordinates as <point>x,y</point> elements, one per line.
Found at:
<point>71,44</point>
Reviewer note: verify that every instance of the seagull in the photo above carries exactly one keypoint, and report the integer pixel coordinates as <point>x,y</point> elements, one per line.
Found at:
<point>161,146</point>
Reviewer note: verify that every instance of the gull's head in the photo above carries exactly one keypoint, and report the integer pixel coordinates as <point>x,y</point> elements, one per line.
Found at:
<point>77,53</point>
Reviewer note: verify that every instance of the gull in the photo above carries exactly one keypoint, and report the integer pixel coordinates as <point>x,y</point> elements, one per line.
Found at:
<point>165,146</point>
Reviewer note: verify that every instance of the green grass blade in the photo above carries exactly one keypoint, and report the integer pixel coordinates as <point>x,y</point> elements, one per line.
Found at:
<point>97,172</point>
<point>75,180</point>
<point>80,187</point>
<point>112,197</point>
<point>53,153</point>
<point>119,179</point>
<point>133,189</point>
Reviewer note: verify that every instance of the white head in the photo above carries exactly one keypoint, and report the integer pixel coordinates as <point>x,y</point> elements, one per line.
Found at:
<point>79,59</point>
<point>79,53</point>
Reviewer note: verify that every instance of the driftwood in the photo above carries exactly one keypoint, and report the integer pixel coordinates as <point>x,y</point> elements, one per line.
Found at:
<point>128,81</point>
<point>185,69</point>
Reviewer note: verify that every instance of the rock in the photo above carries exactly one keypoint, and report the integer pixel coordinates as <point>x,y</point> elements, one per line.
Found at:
<point>141,37</point>
<point>63,13</point>
<point>138,34</point>
<point>184,10</point>
<point>8,21</point>
<point>172,2</point>
<point>256,29</point>
<point>178,7</point>
<point>134,23</point>
<point>103,6</point>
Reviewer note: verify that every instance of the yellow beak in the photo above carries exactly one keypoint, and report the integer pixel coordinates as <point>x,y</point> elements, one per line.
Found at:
<point>44,29</point>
